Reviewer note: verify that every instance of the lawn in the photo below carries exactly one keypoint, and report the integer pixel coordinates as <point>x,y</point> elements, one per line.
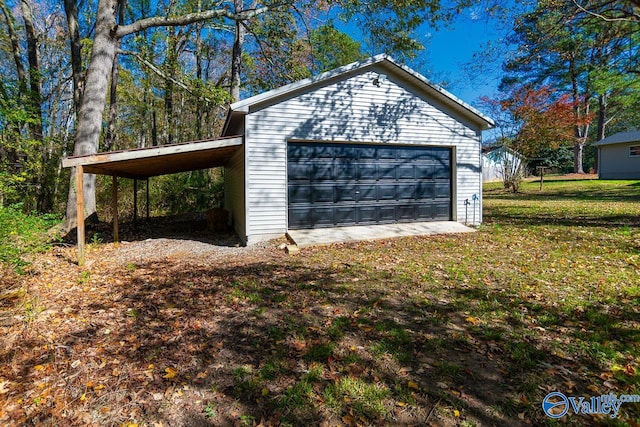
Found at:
<point>470,329</point>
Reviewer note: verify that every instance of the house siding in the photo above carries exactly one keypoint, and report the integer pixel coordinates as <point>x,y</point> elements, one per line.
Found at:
<point>352,110</point>
<point>234,193</point>
<point>615,162</point>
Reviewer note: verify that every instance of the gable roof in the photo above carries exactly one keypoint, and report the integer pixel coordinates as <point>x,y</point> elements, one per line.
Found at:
<point>244,106</point>
<point>620,138</point>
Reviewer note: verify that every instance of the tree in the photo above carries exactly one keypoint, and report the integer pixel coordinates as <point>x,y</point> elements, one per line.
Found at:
<point>388,22</point>
<point>571,46</point>
<point>105,42</point>
<point>533,120</point>
<point>331,48</point>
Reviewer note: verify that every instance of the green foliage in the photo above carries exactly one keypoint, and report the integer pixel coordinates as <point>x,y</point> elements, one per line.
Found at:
<point>188,192</point>
<point>331,48</point>
<point>22,234</point>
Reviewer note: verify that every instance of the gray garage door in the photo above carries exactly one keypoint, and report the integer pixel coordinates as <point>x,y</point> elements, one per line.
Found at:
<point>333,184</point>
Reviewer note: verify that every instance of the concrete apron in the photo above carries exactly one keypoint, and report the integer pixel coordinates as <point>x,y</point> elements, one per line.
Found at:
<point>325,236</point>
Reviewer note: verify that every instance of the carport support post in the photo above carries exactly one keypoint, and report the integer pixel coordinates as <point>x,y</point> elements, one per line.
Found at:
<point>80,212</point>
<point>147,199</point>
<point>135,204</point>
<point>114,207</point>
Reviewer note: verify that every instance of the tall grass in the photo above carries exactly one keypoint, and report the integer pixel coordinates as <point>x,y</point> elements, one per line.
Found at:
<point>22,234</point>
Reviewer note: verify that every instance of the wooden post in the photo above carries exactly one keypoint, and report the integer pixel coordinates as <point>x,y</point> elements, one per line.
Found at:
<point>80,212</point>
<point>147,199</point>
<point>541,169</point>
<point>114,207</point>
<point>135,204</point>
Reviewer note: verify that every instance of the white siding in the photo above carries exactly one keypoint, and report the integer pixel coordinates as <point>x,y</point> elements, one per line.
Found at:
<point>234,194</point>
<point>617,163</point>
<point>350,110</point>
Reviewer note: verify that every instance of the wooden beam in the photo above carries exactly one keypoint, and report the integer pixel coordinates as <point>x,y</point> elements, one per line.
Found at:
<point>80,212</point>
<point>114,207</point>
<point>135,204</point>
<point>147,199</point>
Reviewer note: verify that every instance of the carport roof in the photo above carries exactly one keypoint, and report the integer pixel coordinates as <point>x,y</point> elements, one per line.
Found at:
<point>143,163</point>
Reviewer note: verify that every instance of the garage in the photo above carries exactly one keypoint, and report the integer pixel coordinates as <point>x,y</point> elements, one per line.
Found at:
<point>339,184</point>
<point>370,144</point>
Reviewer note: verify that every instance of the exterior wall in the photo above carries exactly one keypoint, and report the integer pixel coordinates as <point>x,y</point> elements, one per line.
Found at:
<point>493,164</point>
<point>615,162</point>
<point>352,109</point>
<point>234,192</point>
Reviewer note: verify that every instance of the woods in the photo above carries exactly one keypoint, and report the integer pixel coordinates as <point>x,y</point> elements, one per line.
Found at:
<point>84,77</point>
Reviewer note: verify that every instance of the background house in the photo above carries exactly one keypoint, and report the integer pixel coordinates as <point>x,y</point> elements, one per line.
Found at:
<point>619,156</point>
<point>368,143</point>
<point>496,161</point>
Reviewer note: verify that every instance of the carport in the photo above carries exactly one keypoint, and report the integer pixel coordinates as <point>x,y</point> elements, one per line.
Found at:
<point>144,163</point>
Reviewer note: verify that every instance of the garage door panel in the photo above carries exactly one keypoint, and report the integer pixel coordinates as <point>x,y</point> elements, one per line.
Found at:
<point>345,215</point>
<point>323,194</point>
<point>442,190</point>
<point>367,153</point>
<point>424,212</point>
<point>299,172</point>
<point>425,190</point>
<point>406,171</point>
<point>386,171</point>
<point>441,211</point>
<point>299,194</point>
<point>442,172</point>
<point>367,214</point>
<point>344,171</point>
<point>337,184</point>
<point>299,218</point>
<point>323,216</point>
<point>387,214</point>
<point>425,171</point>
<point>407,191</point>
<point>367,193</point>
<point>405,212</point>
<point>366,171</point>
<point>386,192</point>
<point>387,153</point>
<point>322,172</point>
<point>345,193</point>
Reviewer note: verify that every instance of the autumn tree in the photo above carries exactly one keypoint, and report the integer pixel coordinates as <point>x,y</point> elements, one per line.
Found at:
<point>587,49</point>
<point>534,119</point>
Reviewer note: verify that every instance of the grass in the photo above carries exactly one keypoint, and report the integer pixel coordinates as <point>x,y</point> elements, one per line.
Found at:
<point>470,329</point>
<point>23,234</point>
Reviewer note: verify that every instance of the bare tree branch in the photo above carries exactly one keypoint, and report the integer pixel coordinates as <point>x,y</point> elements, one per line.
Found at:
<point>159,72</point>
<point>190,18</point>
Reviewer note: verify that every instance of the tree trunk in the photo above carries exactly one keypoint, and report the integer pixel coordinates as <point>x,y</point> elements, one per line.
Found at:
<point>35,95</point>
<point>579,133</point>
<point>170,67</point>
<point>92,107</point>
<point>236,56</point>
<point>15,46</point>
<point>96,83</point>
<point>602,124</point>
<point>71,10</point>
<point>109,139</point>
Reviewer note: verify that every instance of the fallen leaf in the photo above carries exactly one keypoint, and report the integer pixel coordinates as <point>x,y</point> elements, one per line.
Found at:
<point>170,373</point>
<point>472,320</point>
<point>413,385</point>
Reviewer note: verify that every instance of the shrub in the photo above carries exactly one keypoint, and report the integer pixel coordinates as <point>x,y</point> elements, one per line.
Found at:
<point>21,234</point>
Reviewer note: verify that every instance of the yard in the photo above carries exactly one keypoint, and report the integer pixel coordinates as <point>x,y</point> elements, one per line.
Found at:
<point>466,330</point>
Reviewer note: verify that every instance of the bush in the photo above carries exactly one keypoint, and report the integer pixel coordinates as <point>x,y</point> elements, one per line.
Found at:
<point>21,234</point>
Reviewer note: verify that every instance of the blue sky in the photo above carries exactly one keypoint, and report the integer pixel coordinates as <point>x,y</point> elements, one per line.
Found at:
<point>449,51</point>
